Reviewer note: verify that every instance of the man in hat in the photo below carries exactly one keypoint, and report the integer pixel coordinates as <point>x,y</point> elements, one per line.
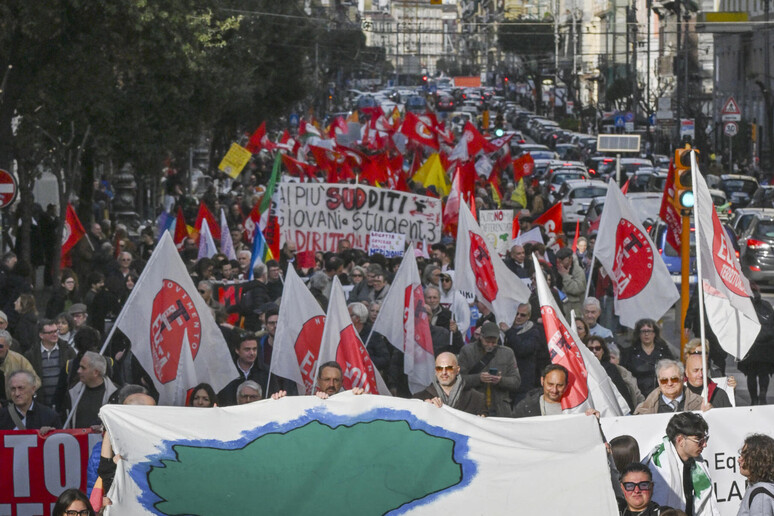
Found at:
<point>79,313</point>
<point>490,368</point>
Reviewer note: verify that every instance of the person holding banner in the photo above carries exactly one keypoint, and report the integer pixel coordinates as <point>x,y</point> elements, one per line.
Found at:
<point>671,395</point>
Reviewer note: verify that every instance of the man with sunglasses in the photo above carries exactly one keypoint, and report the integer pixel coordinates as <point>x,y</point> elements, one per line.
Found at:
<point>637,487</point>
<point>450,389</point>
<point>680,476</point>
<point>670,396</point>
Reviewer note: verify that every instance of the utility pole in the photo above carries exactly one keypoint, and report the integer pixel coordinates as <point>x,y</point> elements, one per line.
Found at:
<point>556,55</point>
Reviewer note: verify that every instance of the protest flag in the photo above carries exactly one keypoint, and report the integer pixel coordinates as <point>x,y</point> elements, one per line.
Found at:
<point>668,211</point>
<point>516,226</point>
<point>341,343</point>
<point>523,166</point>
<point>181,229</point>
<point>251,222</point>
<point>551,220</point>
<point>471,142</point>
<point>207,247</point>
<point>479,269</point>
<point>404,322</point>
<point>261,251</point>
<point>173,333</point>
<point>642,284</point>
<point>165,222</point>
<point>625,187</point>
<point>575,238</point>
<point>299,331</point>
<point>588,386</point>
<point>205,214</point>
<point>226,244</point>
<point>72,232</point>
<point>416,130</point>
<point>257,139</point>
<point>726,290</point>
<point>265,207</point>
<point>432,174</point>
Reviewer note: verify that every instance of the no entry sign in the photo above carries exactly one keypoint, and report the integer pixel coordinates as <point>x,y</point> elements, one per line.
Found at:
<point>8,188</point>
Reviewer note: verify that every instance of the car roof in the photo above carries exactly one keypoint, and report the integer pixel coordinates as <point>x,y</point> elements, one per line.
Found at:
<point>736,177</point>
<point>577,183</point>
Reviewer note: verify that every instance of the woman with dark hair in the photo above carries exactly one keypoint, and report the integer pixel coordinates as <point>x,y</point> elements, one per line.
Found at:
<point>26,329</point>
<point>598,346</point>
<point>203,395</point>
<point>756,462</point>
<point>65,325</point>
<point>583,330</point>
<point>647,349</point>
<point>65,296</point>
<point>73,502</point>
<point>625,450</point>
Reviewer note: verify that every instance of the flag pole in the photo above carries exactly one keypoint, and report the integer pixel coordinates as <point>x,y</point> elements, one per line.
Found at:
<point>699,287</point>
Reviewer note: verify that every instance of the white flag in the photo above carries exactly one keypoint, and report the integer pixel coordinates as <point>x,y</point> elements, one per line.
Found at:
<point>207,247</point>
<point>299,330</point>
<point>173,333</point>
<point>341,343</point>
<point>226,244</point>
<point>641,282</point>
<point>726,290</point>
<point>588,386</point>
<point>404,322</point>
<point>479,269</point>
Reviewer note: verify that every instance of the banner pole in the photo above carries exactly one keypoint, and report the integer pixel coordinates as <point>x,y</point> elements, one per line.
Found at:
<point>699,286</point>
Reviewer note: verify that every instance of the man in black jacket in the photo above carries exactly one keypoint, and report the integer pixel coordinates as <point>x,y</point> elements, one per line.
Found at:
<point>23,413</point>
<point>449,388</point>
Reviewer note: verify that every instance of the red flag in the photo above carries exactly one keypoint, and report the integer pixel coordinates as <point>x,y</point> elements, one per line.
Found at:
<point>206,214</point>
<point>446,135</point>
<point>416,130</point>
<point>257,139</point>
<point>287,142</point>
<point>326,158</point>
<point>498,143</point>
<point>298,168</point>
<point>625,188</point>
<point>523,166</point>
<point>353,157</point>
<point>72,232</point>
<point>373,112</point>
<point>251,222</point>
<point>669,213</point>
<point>471,143</point>
<point>181,229</point>
<point>516,227</point>
<point>577,235</point>
<point>551,220</point>
<point>340,124</point>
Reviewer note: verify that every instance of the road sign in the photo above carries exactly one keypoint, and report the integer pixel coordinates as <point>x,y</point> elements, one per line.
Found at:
<point>8,188</point>
<point>619,121</point>
<point>730,111</point>
<point>687,127</point>
<point>629,116</point>
<point>730,128</point>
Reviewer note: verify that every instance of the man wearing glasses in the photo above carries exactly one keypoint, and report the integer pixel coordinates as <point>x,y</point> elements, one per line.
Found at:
<point>48,358</point>
<point>449,388</point>
<point>680,476</point>
<point>527,340</point>
<point>637,487</point>
<point>670,396</point>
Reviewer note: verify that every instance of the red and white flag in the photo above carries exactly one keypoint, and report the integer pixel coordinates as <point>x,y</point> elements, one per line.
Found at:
<point>642,284</point>
<point>727,293</point>
<point>205,214</point>
<point>404,322</point>
<point>523,166</point>
<point>588,386</point>
<point>299,331</point>
<point>471,143</point>
<point>341,343</point>
<point>173,333</point>
<point>551,221</point>
<point>480,269</point>
<point>416,130</point>
<point>251,222</point>
<point>72,232</point>
<point>669,213</point>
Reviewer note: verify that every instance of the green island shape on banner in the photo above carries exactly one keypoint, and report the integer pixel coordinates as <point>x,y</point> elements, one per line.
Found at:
<point>366,468</point>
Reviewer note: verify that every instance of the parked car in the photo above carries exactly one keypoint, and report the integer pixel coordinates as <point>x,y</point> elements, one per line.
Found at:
<point>553,182</point>
<point>763,197</point>
<point>739,189</point>
<point>742,217</point>
<point>756,248</point>
<point>576,196</point>
<point>671,256</point>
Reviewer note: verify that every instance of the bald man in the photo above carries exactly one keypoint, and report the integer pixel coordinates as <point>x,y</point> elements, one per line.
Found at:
<point>449,388</point>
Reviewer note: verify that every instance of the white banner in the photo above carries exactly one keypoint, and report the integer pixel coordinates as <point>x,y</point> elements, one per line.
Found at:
<point>727,428</point>
<point>317,215</point>
<point>497,226</point>
<point>388,244</point>
<point>354,455</point>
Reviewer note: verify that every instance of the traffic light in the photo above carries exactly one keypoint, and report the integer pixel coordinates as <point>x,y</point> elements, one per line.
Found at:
<point>684,198</point>
<point>499,125</point>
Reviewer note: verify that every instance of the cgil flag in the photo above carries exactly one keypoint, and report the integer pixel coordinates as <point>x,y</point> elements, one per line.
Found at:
<point>480,269</point>
<point>72,232</point>
<point>641,282</point>
<point>404,322</point>
<point>341,343</point>
<point>173,333</point>
<point>299,331</point>
<point>588,386</point>
<point>726,290</point>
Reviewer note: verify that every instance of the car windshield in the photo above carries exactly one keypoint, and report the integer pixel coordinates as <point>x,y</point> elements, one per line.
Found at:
<point>739,185</point>
<point>765,229</point>
<point>559,179</point>
<point>587,192</point>
<point>541,154</point>
<point>718,200</point>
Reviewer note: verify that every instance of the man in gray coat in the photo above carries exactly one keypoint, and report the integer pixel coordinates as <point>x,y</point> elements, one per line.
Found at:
<point>490,368</point>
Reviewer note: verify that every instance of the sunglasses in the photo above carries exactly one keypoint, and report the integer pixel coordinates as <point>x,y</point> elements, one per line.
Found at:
<point>519,314</point>
<point>446,280</point>
<point>595,348</point>
<point>664,381</point>
<point>447,368</point>
<point>645,485</point>
<point>701,441</point>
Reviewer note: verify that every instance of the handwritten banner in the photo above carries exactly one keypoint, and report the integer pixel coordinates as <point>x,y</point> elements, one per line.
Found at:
<point>388,244</point>
<point>35,471</point>
<point>497,226</point>
<point>317,215</point>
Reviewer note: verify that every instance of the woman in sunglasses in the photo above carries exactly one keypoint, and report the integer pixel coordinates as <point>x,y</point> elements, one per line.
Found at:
<point>598,346</point>
<point>647,349</point>
<point>671,395</point>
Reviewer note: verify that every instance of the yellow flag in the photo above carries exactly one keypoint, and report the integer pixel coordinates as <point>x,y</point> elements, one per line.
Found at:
<point>519,195</point>
<point>496,196</point>
<point>235,160</point>
<point>432,173</point>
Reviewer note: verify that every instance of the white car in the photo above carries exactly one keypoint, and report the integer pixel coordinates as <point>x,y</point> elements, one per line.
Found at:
<point>575,196</point>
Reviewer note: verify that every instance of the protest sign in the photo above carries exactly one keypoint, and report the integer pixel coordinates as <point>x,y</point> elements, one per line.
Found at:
<point>388,244</point>
<point>727,427</point>
<point>235,160</point>
<point>36,470</point>
<point>497,226</point>
<point>317,215</point>
<point>221,460</point>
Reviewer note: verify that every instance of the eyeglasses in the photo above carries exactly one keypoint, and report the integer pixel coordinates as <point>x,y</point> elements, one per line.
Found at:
<point>701,441</point>
<point>84,512</point>
<point>521,314</point>
<point>664,381</point>
<point>647,330</point>
<point>595,348</point>
<point>447,368</point>
<point>446,280</point>
<point>645,485</point>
